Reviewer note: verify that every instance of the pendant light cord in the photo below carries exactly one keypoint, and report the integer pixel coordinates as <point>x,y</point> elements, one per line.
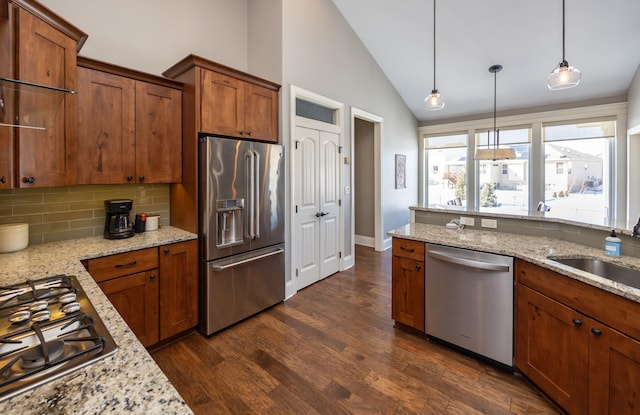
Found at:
<point>496,137</point>
<point>563,59</point>
<point>434,44</point>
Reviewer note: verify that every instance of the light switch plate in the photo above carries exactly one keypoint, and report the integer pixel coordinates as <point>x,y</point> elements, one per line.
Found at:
<point>489,223</point>
<point>467,221</point>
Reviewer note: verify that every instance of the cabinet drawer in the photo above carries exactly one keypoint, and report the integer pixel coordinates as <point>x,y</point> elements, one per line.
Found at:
<point>407,248</point>
<point>113,266</point>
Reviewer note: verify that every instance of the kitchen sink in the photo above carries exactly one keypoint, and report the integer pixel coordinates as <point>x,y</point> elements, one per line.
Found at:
<point>617,273</point>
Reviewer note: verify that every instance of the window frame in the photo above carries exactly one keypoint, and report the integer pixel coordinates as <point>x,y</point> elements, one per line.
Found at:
<point>617,111</point>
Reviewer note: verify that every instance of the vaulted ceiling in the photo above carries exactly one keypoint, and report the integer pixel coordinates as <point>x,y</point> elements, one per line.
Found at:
<point>524,36</point>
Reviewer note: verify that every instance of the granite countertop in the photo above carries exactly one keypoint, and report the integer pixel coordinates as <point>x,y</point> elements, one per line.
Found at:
<point>128,381</point>
<point>529,248</point>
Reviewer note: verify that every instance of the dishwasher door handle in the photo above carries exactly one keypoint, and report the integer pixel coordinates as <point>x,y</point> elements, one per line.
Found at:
<point>486,266</point>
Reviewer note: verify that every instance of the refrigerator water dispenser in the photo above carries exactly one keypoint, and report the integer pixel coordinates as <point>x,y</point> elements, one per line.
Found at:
<point>230,222</point>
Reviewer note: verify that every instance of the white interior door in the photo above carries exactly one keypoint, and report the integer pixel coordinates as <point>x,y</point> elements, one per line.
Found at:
<point>317,202</point>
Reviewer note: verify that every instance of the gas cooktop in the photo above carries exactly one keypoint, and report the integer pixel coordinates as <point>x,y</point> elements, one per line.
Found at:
<point>48,328</point>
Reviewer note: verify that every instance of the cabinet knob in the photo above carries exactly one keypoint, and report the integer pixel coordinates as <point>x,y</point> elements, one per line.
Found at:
<point>129,178</point>
<point>242,132</point>
<point>29,180</point>
<point>577,322</point>
<point>152,277</point>
<point>3,180</point>
<point>596,332</point>
<point>249,133</point>
<point>141,179</point>
<point>166,251</point>
<point>418,267</point>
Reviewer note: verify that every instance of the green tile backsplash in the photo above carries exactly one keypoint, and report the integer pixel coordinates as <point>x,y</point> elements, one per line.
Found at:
<point>61,213</point>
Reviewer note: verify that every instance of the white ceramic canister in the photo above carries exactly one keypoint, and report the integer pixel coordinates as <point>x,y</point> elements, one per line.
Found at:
<point>13,237</point>
<point>152,223</point>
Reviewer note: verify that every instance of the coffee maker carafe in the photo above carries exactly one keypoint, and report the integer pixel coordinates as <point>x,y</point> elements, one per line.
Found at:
<point>117,224</point>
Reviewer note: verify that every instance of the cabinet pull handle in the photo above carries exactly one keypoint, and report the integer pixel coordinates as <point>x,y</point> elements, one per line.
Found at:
<point>166,251</point>
<point>577,322</point>
<point>29,180</point>
<point>418,267</point>
<point>407,249</point>
<point>129,264</point>
<point>129,178</point>
<point>152,277</point>
<point>596,332</point>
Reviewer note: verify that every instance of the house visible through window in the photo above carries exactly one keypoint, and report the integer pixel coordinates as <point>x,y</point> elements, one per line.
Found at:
<point>446,160</point>
<point>577,166</point>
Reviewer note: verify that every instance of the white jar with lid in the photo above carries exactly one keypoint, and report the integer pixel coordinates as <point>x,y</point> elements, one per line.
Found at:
<point>13,237</point>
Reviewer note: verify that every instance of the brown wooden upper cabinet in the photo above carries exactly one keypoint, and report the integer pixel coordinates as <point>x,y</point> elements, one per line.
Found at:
<point>230,102</point>
<point>237,108</point>
<point>37,46</point>
<point>129,126</point>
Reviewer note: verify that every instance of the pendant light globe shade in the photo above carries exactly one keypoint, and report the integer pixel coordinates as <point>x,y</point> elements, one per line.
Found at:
<point>563,77</point>
<point>434,101</point>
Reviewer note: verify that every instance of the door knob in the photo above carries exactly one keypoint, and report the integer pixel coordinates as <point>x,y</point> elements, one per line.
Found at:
<point>321,214</point>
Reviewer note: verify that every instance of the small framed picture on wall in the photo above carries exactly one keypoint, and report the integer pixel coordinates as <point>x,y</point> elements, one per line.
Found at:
<point>401,169</point>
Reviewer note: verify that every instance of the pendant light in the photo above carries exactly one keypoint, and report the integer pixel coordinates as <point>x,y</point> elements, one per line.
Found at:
<point>495,153</point>
<point>434,101</point>
<point>563,76</point>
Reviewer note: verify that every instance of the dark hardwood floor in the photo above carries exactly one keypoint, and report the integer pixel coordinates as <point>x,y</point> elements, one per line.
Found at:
<point>332,349</point>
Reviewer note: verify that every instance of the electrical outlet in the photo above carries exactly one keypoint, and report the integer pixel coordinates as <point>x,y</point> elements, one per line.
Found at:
<point>489,223</point>
<point>467,221</point>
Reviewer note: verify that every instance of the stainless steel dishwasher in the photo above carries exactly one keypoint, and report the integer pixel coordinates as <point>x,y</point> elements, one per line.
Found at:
<point>469,301</point>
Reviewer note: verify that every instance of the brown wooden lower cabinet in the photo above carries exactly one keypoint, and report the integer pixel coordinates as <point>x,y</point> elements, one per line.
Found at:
<point>407,283</point>
<point>136,299</point>
<point>583,364</point>
<point>155,290</point>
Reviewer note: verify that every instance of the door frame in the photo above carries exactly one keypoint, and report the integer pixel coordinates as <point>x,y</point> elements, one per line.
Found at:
<point>297,92</point>
<point>378,129</point>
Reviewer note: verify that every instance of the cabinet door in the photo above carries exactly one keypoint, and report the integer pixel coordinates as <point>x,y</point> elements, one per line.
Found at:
<point>136,299</point>
<point>178,288</point>
<point>407,292</point>
<point>106,128</point>
<point>261,113</point>
<point>222,104</point>
<point>158,134</point>
<point>46,56</point>
<point>552,348</point>
<point>614,363</point>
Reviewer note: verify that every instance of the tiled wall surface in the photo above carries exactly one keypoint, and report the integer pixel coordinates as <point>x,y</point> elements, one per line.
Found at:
<point>62,213</point>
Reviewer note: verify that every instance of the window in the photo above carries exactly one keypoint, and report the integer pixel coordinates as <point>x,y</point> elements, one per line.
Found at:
<point>446,159</point>
<point>503,187</point>
<point>577,166</point>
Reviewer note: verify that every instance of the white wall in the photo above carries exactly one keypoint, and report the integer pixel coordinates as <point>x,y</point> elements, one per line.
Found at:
<point>633,102</point>
<point>152,35</point>
<point>322,54</point>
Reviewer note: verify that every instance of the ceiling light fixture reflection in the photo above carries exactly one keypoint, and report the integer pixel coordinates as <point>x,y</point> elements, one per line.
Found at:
<point>434,101</point>
<point>495,153</point>
<point>563,76</point>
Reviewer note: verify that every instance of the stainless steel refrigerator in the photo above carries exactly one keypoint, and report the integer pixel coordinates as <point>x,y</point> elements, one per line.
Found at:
<point>242,229</point>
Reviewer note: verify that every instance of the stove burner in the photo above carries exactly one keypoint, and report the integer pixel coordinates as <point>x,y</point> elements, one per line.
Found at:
<point>35,357</point>
<point>41,316</point>
<point>71,307</point>
<point>67,298</point>
<point>39,305</point>
<point>20,316</point>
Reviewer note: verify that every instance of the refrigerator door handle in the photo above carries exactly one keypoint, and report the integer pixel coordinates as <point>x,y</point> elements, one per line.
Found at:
<point>246,260</point>
<point>256,195</point>
<point>249,158</point>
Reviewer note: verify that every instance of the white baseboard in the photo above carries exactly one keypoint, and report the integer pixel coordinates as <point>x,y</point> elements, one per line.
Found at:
<point>365,241</point>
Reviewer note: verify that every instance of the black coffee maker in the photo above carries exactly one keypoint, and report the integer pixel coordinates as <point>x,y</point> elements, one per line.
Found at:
<point>116,223</point>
